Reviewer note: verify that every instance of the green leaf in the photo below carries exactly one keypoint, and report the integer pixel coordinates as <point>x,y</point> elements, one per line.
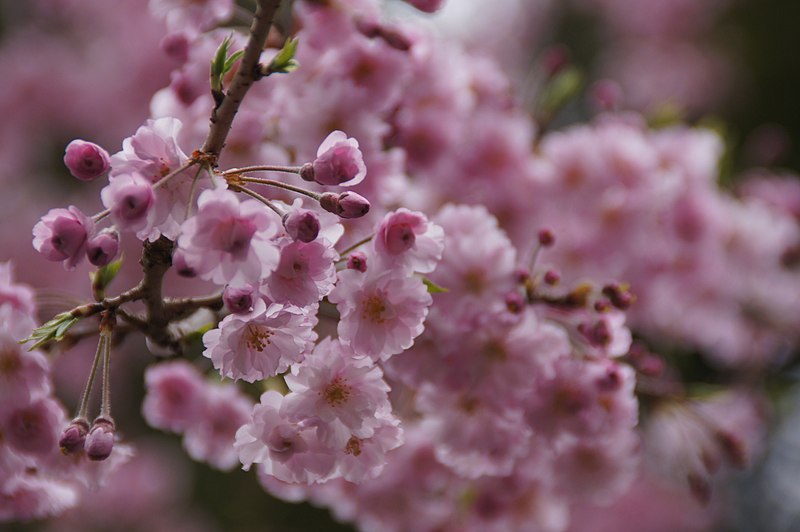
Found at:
<point>434,288</point>
<point>52,331</point>
<point>235,56</point>
<point>560,90</point>
<point>284,62</point>
<point>102,278</point>
<point>220,62</point>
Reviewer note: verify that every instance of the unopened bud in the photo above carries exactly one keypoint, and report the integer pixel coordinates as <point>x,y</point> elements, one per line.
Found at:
<point>74,436</point>
<point>552,277</point>
<point>181,266</point>
<point>100,441</point>
<point>357,261</point>
<point>307,172</point>
<point>239,300</point>
<point>352,205</point>
<point>546,238</point>
<point>515,303</point>
<point>101,249</point>
<point>302,225</point>
<point>86,160</point>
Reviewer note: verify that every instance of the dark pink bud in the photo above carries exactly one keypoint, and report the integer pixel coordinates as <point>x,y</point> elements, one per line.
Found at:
<point>515,302</point>
<point>239,300</point>
<point>74,436</point>
<point>100,441</point>
<point>546,238</point>
<point>176,46</point>
<point>522,275</point>
<point>86,160</point>
<point>181,266</point>
<point>61,234</point>
<point>301,225</point>
<point>339,161</point>
<point>357,261</point>
<point>101,249</point>
<point>307,172</point>
<point>605,95</point>
<point>552,277</point>
<point>427,6</point>
<point>555,59</point>
<point>352,205</point>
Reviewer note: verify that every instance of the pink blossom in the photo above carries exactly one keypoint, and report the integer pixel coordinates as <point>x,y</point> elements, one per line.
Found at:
<point>192,15</point>
<point>210,438</point>
<point>290,452</point>
<point>365,458</point>
<point>339,161</point>
<point>24,375</point>
<point>406,239</point>
<point>102,248</point>
<point>305,274</point>
<point>381,311</point>
<point>301,224</point>
<point>153,152</point>
<point>329,385</point>
<point>31,429</point>
<point>228,241</point>
<point>238,299</point>
<point>131,199</point>
<point>61,235</point>
<point>26,497</point>
<point>260,343</point>
<point>86,160</point>
<point>174,396</point>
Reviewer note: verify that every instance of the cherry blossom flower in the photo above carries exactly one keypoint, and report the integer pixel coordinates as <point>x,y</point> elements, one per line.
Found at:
<point>174,396</point>
<point>339,161</point>
<point>406,238</point>
<point>228,241</point>
<point>260,343</point>
<point>305,274</point>
<point>61,235</point>
<point>381,311</point>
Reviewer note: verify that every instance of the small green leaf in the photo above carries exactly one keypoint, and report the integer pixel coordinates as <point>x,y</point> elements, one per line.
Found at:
<point>52,331</point>
<point>220,62</point>
<point>434,288</point>
<point>102,278</point>
<point>235,56</point>
<point>560,90</point>
<point>284,62</point>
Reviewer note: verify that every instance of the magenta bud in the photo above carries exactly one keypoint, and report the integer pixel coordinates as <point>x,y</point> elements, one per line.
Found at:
<point>100,441</point>
<point>307,172</point>
<point>515,303</point>
<point>301,225</point>
<point>101,249</point>
<point>352,205</point>
<point>181,266</point>
<point>546,238</point>
<point>238,299</point>
<point>522,275</point>
<point>176,46</point>
<point>74,436</point>
<point>86,160</point>
<point>357,261</point>
<point>552,277</point>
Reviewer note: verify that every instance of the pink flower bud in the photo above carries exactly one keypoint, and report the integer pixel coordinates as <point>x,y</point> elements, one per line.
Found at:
<point>238,299</point>
<point>61,235</point>
<point>302,225</point>
<point>130,198</point>
<point>86,160</point>
<point>102,248</point>
<point>352,205</point>
<point>427,6</point>
<point>74,436</point>
<point>181,266</point>
<point>307,172</point>
<point>176,46</point>
<point>339,161</point>
<point>100,441</point>
<point>330,202</point>
<point>515,302</point>
<point>546,238</point>
<point>357,261</point>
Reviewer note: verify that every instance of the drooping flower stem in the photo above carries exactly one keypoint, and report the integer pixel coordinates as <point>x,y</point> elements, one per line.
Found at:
<point>278,184</point>
<point>264,168</point>
<point>260,198</point>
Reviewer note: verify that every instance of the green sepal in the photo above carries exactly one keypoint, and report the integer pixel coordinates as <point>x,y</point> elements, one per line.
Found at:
<point>52,331</point>
<point>222,63</point>
<point>434,288</point>
<point>284,62</point>
<point>103,277</point>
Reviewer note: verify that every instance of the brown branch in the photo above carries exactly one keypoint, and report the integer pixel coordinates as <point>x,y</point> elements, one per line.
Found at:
<point>222,117</point>
<point>181,308</point>
<point>156,260</point>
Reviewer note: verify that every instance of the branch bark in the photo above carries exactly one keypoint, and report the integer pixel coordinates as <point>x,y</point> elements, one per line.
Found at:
<point>222,117</point>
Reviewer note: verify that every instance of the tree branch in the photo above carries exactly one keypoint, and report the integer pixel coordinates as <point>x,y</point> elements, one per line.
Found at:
<point>222,117</point>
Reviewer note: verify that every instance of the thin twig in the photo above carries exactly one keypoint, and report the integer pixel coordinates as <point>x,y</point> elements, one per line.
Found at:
<point>263,168</point>
<point>260,198</point>
<point>278,184</point>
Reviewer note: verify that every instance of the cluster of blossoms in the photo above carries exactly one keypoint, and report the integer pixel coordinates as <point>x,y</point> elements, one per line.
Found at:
<point>425,367</point>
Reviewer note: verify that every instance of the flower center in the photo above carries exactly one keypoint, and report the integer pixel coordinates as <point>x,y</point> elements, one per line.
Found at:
<point>257,337</point>
<point>337,392</point>
<point>374,308</point>
<point>353,446</point>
